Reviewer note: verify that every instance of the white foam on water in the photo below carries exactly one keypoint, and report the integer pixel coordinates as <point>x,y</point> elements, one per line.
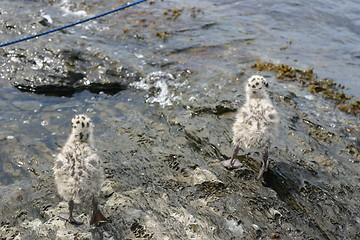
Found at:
<point>47,17</point>
<point>66,8</point>
<point>39,64</point>
<point>161,88</point>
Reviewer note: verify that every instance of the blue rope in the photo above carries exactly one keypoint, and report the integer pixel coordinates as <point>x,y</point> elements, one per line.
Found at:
<point>72,24</point>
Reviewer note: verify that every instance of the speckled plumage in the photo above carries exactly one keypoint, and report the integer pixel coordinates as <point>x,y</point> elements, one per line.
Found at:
<point>256,122</point>
<point>77,170</point>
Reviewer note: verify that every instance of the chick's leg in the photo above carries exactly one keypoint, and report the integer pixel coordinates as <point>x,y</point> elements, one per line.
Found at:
<point>265,164</point>
<point>233,163</point>
<point>69,217</point>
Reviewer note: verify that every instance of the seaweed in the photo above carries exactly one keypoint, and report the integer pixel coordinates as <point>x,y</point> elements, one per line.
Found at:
<point>326,87</point>
<point>352,108</point>
<point>195,11</point>
<point>163,35</point>
<point>173,14</point>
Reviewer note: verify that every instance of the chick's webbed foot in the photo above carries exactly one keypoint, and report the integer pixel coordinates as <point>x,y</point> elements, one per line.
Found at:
<point>233,163</point>
<point>70,219</point>
<point>97,216</point>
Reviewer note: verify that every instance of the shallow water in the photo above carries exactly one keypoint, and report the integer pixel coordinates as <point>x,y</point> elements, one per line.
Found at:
<point>162,138</point>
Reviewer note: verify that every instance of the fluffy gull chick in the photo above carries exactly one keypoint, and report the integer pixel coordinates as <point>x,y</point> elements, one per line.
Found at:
<point>256,124</point>
<point>77,170</point>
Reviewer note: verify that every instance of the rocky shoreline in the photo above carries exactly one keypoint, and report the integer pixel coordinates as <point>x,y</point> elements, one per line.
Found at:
<point>164,178</point>
<point>163,126</point>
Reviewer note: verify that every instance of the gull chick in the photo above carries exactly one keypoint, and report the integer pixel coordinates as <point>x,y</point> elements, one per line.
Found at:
<point>256,124</point>
<point>77,170</point>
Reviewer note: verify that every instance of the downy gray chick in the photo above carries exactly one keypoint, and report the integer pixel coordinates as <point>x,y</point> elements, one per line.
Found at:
<point>256,124</point>
<point>77,170</point>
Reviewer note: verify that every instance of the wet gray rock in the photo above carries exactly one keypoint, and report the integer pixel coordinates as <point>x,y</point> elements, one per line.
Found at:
<point>64,72</point>
<point>164,179</point>
<point>162,139</point>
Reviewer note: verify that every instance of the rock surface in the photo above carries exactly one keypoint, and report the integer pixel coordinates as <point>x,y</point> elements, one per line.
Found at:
<point>64,72</point>
<point>162,139</point>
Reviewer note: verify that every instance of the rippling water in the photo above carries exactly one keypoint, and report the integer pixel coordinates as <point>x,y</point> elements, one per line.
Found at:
<point>323,35</point>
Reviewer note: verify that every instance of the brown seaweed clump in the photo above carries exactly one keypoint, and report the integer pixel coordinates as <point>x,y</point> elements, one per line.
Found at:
<point>326,87</point>
<point>173,14</point>
<point>163,35</point>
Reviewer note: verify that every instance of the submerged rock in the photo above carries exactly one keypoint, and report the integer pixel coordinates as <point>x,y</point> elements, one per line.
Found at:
<point>64,72</point>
